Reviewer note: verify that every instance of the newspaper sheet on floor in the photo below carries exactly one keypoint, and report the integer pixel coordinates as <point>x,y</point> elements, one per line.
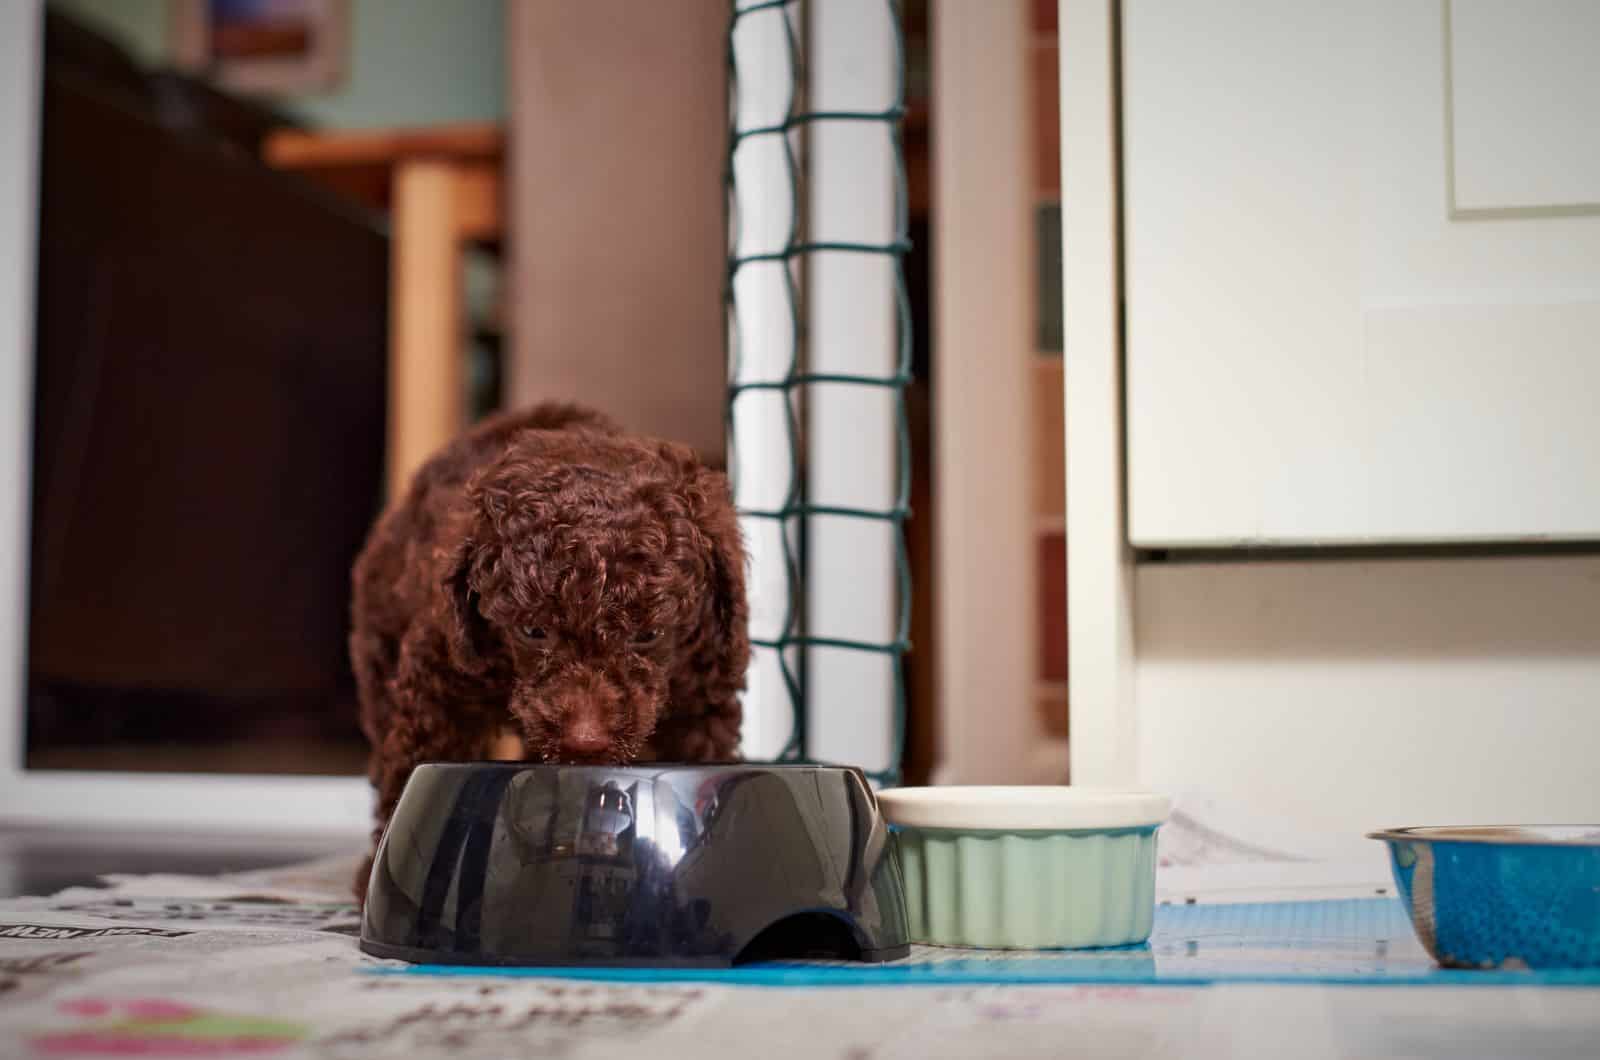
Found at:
<point>265,964</point>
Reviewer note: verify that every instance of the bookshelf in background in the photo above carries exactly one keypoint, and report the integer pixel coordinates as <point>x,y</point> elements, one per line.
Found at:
<point>1048,450</point>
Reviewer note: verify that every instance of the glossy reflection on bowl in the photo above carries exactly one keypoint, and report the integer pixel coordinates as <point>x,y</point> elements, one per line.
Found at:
<point>519,863</point>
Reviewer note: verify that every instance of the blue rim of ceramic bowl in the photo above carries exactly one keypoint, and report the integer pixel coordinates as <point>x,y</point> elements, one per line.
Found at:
<point>1520,835</point>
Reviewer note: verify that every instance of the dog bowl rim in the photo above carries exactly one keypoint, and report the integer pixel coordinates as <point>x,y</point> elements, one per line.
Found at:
<point>650,768</point>
<point>1496,835</point>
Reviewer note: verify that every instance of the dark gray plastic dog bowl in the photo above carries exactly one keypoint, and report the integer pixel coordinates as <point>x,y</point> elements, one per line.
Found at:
<point>521,864</point>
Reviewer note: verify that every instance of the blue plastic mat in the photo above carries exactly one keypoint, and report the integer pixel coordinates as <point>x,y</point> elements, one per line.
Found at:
<point>1366,941</point>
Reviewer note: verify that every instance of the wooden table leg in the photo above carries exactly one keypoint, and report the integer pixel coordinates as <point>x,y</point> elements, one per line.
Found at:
<point>426,395</point>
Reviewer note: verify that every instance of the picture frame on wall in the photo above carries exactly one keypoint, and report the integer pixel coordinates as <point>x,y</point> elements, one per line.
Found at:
<point>268,47</point>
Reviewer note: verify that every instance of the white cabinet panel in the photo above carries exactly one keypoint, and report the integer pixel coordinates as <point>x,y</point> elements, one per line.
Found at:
<point>1317,350</point>
<point>1300,705</point>
<point>1524,104</point>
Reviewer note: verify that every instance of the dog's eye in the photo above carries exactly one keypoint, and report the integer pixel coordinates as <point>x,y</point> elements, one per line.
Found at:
<point>532,632</point>
<point>646,636</point>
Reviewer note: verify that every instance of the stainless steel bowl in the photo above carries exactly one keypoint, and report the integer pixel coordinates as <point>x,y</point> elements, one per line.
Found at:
<point>515,863</point>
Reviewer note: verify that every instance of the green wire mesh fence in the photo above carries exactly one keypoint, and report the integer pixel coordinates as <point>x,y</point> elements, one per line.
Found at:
<point>794,638</point>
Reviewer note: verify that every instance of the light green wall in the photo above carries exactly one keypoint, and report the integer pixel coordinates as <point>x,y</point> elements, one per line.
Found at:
<point>418,62</point>
<point>412,62</point>
<point>139,25</point>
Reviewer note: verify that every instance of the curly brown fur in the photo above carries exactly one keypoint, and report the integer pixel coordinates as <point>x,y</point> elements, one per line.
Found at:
<point>547,574</point>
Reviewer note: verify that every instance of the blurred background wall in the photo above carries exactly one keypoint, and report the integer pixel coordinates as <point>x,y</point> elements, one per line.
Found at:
<point>412,62</point>
<point>617,210</point>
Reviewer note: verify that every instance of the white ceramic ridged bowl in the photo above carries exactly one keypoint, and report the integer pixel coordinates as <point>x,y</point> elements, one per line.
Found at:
<point>1027,867</point>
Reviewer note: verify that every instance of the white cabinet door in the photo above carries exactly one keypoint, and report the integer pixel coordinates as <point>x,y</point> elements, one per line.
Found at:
<point>1362,271</point>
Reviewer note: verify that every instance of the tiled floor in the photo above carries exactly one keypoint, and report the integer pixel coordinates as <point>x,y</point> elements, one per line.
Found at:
<point>43,861</point>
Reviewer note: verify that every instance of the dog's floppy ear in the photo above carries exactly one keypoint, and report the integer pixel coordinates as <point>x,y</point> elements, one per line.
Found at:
<point>725,639</point>
<point>464,627</point>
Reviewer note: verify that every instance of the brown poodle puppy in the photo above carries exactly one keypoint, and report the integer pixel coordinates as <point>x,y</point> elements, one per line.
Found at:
<point>548,576</point>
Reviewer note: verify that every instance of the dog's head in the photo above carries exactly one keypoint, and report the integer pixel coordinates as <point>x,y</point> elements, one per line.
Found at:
<point>594,577</point>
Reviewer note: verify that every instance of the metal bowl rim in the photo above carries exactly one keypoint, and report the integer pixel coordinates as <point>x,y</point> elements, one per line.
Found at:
<point>1463,834</point>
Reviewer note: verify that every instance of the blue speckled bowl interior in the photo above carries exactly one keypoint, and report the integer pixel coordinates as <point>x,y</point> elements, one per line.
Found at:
<point>1507,896</point>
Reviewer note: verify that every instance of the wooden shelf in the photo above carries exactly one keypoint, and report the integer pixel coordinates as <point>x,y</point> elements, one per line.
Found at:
<point>1049,433</point>
<point>915,142</point>
<point>1050,697</point>
<point>361,164</point>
